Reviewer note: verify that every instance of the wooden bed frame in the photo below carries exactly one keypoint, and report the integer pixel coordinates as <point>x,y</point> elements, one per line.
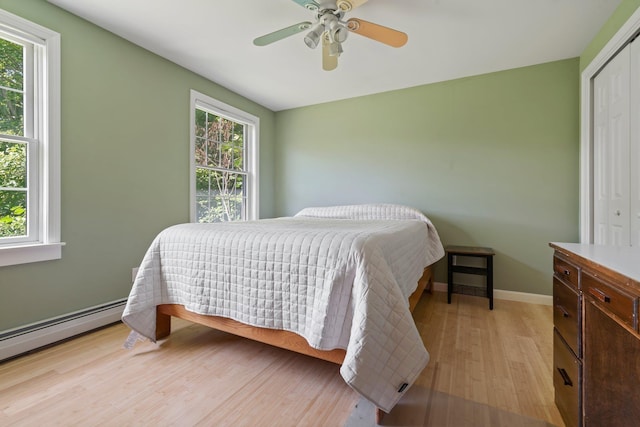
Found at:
<point>279,338</point>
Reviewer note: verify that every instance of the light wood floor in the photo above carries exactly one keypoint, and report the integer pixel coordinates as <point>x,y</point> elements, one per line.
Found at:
<point>487,368</point>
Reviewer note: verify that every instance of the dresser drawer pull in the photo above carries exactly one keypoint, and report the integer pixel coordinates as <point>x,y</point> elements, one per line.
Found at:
<point>599,295</point>
<point>567,273</point>
<point>562,310</point>
<point>565,377</point>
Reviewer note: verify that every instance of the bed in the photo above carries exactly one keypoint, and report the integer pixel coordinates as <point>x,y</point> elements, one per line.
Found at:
<point>337,283</point>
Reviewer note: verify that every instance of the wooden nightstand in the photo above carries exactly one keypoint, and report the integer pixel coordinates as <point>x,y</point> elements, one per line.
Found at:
<point>453,252</point>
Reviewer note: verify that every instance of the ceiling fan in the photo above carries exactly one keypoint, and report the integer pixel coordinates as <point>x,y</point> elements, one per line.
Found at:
<point>332,30</point>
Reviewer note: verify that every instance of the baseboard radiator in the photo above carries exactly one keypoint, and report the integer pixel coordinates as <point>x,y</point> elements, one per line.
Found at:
<point>21,340</point>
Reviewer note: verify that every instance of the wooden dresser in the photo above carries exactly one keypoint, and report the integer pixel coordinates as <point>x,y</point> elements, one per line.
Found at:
<point>596,350</point>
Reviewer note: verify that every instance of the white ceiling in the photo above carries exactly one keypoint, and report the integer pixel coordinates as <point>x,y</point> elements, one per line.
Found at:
<point>448,39</point>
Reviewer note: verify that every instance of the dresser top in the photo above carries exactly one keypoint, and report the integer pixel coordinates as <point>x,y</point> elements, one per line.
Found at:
<point>621,259</point>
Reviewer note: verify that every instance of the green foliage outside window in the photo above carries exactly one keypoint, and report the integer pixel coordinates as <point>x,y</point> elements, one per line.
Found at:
<point>220,177</point>
<point>13,195</point>
<point>13,155</point>
<point>11,86</point>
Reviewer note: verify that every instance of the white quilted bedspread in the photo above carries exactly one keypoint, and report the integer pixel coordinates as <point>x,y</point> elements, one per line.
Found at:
<point>339,283</point>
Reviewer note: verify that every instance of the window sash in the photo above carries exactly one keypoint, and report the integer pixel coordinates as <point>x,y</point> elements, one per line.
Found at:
<point>216,157</point>
<point>230,204</point>
<point>32,58</point>
<point>31,189</point>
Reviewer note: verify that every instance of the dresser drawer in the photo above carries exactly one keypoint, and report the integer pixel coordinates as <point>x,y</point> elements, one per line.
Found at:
<point>609,298</point>
<point>565,271</point>
<point>567,378</point>
<point>566,314</point>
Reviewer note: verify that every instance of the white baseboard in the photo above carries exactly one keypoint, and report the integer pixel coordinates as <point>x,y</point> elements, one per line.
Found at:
<point>439,287</point>
<point>20,340</point>
<point>523,297</point>
<point>507,295</point>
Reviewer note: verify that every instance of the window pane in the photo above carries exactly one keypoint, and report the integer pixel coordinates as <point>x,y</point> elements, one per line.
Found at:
<point>214,156</point>
<point>201,123</point>
<point>238,146</point>
<point>11,112</point>
<point>215,136</point>
<point>11,63</point>
<point>13,165</point>
<point>11,88</point>
<point>13,213</point>
<point>201,151</point>
<point>225,143</point>
<point>220,196</point>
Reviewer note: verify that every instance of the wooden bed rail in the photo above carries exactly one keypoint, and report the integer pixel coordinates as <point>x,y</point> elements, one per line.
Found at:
<point>283,339</point>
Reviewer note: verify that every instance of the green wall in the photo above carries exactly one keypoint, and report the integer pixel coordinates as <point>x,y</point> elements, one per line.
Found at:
<point>491,159</point>
<point>125,166</point>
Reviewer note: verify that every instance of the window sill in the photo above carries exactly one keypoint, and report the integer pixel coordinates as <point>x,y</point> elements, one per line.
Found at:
<point>23,254</point>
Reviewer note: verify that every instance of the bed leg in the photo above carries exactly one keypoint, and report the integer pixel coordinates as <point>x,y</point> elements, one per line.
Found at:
<point>429,273</point>
<point>163,324</point>
<point>379,416</point>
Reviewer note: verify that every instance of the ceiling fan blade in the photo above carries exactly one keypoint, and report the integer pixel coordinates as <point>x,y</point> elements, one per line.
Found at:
<point>347,5</point>
<point>309,4</point>
<point>281,34</point>
<point>329,62</point>
<point>377,32</point>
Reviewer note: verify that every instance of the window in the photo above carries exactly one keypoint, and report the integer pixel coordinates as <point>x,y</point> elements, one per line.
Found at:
<point>29,142</point>
<point>224,166</point>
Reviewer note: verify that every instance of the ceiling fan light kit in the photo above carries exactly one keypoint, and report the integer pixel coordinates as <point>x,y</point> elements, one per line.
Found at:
<point>313,37</point>
<point>330,28</point>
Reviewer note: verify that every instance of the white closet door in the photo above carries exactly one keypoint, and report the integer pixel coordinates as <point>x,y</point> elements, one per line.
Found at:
<point>611,152</point>
<point>634,190</point>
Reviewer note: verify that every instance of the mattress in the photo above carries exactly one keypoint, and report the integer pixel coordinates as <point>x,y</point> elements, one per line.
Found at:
<point>340,277</point>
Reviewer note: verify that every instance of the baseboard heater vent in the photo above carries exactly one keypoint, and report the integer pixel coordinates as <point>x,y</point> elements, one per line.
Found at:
<point>20,340</point>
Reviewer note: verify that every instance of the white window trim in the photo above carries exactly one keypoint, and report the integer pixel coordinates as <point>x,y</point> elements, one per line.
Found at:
<point>252,153</point>
<point>48,246</point>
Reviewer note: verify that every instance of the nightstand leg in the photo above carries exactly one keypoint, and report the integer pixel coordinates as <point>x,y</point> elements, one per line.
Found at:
<point>449,277</point>
<point>490,281</point>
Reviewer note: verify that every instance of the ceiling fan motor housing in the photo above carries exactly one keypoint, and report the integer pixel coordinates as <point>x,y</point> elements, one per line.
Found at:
<point>334,26</point>
<point>329,21</point>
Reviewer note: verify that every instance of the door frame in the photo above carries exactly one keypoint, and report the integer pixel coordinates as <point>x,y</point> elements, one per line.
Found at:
<point>617,42</point>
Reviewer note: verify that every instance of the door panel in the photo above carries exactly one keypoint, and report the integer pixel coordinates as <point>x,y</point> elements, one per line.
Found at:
<point>611,152</point>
